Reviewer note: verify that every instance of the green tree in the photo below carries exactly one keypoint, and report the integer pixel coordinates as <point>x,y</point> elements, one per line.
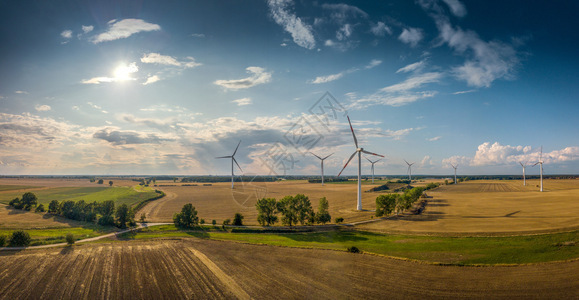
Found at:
<point>266,211</point>
<point>66,209</point>
<point>226,222</point>
<point>69,239</point>
<point>213,222</point>
<point>304,210</point>
<point>187,217</point>
<point>142,219</point>
<point>323,215</point>
<point>106,209</point>
<point>110,183</point>
<point>20,238</point>
<point>3,240</point>
<point>53,207</point>
<point>288,206</point>
<point>39,208</point>
<point>238,219</point>
<point>100,181</point>
<point>123,215</point>
<point>339,220</point>
<point>385,204</point>
<point>16,203</point>
<point>29,200</point>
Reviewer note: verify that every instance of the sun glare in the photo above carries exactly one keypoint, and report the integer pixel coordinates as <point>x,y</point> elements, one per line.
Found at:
<point>123,72</point>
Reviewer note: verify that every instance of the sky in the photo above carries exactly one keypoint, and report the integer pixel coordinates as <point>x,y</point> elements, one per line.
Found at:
<point>164,87</point>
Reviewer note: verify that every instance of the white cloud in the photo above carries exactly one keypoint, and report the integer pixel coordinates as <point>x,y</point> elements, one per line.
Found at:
<point>417,66</point>
<point>328,78</point>
<point>67,34</point>
<point>426,162</point>
<point>341,12</point>
<point>198,35</point>
<point>414,82</point>
<point>380,29</point>
<point>463,92</point>
<point>300,32</point>
<point>344,32</point>
<point>97,107</point>
<point>259,76</point>
<point>156,58</point>
<point>411,36</point>
<point>44,107</point>
<point>87,29</point>
<point>191,63</point>
<point>121,73</point>
<point>283,44</point>
<point>97,80</point>
<point>398,134</point>
<point>456,7</point>
<point>436,138</point>
<point>152,79</point>
<point>242,101</point>
<point>21,92</point>
<point>373,63</point>
<point>329,43</point>
<point>124,29</point>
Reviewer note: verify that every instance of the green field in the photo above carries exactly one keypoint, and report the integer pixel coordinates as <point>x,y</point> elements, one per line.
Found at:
<point>121,195</point>
<point>46,236</point>
<point>15,187</point>
<point>447,250</point>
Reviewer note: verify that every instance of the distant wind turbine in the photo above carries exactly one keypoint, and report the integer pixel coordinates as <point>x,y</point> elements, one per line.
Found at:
<point>322,163</point>
<point>373,162</point>
<point>232,156</point>
<point>454,172</point>
<point>409,171</point>
<point>540,162</point>
<point>358,151</point>
<point>524,165</point>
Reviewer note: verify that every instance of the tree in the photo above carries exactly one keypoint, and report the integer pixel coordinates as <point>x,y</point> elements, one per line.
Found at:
<point>238,219</point>
<point>339,220</point>
<point>16,203</point>
<point>323,216</point>
<point>66,209</point>
<point>100,181</point>
<point>142,218</point>
<point>3,240</point>
<point>266,211</point>
<point>213,222</point>
<point>53,207</point>
<point>304,210</point>
<point>29,200</point>
<point>226,222</point>
<point>288,207</point>
<point>106,209</point>
<point>39,208</point>
<point>69,239</point>
<point>20,238</point>
<point>187,217</point>
<point>385,204</point>
<point>110,183</point>
<point>123,215</point>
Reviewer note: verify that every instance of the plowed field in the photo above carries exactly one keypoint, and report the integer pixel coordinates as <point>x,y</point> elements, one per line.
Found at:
<point>204,269</point>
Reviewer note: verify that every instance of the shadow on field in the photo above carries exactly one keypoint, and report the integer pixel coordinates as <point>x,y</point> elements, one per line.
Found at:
<point>426,216</point>
<point>326,237</point>
<point>67,250</point>
<point>437,202</point>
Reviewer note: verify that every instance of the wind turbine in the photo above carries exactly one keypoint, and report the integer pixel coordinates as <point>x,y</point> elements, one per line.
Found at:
<point>524,165</point>
<point>540,162</point>
<point>409,170</point>
<point>454,171</point>
<point>372,162</point>
<point>322,159</point>
<point>232,156</point>
<point>358,151</point>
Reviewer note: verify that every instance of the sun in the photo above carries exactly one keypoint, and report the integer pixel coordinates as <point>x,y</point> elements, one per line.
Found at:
<point>123,72</point>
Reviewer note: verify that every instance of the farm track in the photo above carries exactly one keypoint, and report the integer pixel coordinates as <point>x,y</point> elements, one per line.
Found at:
<point>205,269</point>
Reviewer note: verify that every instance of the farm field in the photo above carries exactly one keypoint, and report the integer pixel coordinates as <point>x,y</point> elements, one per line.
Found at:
<point>194,268</point>
<point>492,207</point>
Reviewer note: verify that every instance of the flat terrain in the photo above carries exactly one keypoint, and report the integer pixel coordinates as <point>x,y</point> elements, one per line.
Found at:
<point>205,269</point>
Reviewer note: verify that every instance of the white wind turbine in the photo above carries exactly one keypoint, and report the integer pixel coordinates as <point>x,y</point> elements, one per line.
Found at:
<point>540,162</point>
<point>373,162</point>
<point>454,171</point>
<point>358,151</point>
<point>232,156</point>
<point>322,163</point>
<point>524,165</point>
<point>409,171</point>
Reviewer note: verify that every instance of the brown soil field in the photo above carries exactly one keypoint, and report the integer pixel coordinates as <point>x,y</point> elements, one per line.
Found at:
<point>12,219</point>
<point>205,269</point>
<point>493,207</point>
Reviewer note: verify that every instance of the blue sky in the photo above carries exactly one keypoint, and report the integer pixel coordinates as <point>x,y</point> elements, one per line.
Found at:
<point>149,87</point>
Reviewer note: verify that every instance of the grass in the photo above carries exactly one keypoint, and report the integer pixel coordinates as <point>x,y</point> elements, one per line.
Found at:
<point>448,250</point>
<point>46,236</point>
<point>4,188</point>
<point>121,195</point>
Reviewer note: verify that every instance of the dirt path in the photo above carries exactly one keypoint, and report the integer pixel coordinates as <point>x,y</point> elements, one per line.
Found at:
<point>152,209</point>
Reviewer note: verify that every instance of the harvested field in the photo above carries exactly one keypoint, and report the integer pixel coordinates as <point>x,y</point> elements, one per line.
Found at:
<point>493,207</point>
<point>204,269</point>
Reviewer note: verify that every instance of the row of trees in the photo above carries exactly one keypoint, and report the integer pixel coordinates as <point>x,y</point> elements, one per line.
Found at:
<point>19,238</point>
<point>387,204</point>
<point>293,209</point>
<point>188,218</point>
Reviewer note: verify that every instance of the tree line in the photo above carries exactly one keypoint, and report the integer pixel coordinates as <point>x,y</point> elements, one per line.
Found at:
<point>387,204</point>
<point>293,209</point>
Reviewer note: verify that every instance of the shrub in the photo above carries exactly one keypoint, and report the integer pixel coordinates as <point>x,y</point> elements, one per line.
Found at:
<point>213,222</point>
<point>238,219</point>
<point>339,220</point>
<point>29,200</point>
<point>202,221</point>
<point>16,203</point>
<point>20,238</point>
<point>39,208</point>
<point>69,238</point>
<point>142,219</point>
<point>226,222</point>
<point>53,207</point>
<point>353,249</point>
<point>3,240</point>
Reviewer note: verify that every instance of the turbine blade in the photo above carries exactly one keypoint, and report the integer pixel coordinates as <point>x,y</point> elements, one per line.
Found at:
<point>347,162</point>
<point>236,148</point>
<point>406,162</point>
<point>327,156</point>
<point>315,155</point>
<point>353,134</point>
<point>369,160</point>
<point>224,157</point>
<point>535,164</point>
<point>368,152</point>
<point>236,163</point>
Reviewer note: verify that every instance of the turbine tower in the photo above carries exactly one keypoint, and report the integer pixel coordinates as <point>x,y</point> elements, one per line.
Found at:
<point>322,163</point>
<point>454,172</point>
<point>372,162</point>
<point>358,151</point>
<point>409,171</point>
<point>232,156</point>
<point>524,165</point>
<point>540,162</point>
